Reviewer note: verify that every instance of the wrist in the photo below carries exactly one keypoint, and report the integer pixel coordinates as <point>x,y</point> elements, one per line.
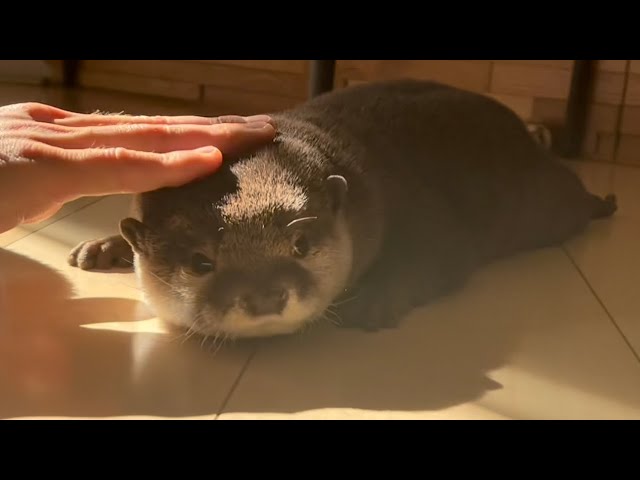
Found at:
<point>27,192</point>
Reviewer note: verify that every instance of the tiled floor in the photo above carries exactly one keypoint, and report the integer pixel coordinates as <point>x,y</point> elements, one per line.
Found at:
<point>551,334</point>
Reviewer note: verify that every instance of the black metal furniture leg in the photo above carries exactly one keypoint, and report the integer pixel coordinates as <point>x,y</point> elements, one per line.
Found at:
<point>578,108</point>
<point>70,69</point>
<point>321,75</point>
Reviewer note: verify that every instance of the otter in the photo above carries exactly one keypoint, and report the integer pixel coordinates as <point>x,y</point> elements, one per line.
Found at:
<point>371,201</point>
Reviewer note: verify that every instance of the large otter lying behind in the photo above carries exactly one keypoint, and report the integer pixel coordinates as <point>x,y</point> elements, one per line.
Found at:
<point>384,195</point>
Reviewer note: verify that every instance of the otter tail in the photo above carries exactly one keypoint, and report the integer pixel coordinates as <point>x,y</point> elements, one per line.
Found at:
<point>603,207</point>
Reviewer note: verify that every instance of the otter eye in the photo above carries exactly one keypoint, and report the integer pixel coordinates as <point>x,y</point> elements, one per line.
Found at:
<point>301,247</point>
<point>201,265</point>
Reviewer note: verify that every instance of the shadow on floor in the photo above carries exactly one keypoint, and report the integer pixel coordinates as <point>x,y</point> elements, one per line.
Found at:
<point>49,366</point>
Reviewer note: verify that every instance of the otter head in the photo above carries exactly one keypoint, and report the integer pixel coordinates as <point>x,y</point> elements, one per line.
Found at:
<point>251,252</point>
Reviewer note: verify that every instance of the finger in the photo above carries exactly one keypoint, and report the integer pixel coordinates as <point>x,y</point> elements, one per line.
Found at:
<point>118,170</point>
<point>237,119</point>
<point>93,119</point>
<point>229,138</point>
<point>24,127</point>
<point>36,111</point>
<point>43,215</point>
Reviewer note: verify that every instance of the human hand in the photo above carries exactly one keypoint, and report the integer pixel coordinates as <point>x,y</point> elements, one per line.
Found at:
<point>50,156</point>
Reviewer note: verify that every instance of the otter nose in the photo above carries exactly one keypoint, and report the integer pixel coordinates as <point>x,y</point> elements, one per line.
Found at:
<point>265,302</point>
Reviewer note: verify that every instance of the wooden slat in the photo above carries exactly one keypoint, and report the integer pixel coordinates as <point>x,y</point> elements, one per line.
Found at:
<point>608,88</point>
<point>469,74</point>
<point>602,119</point>
<point>142,85</point>
<point>633,90</point>
<point>531,81</point>
<point>549,111</point>
<point>268,81</point>
<point>563,64</point>
<point>31,72</point>
<point>237,102</point>
<point>604,150</point>
<point>352,82</point>
<point>56,67</point>
<point>628,148</point>
<point>291,66</point>
<point>618,66</point>
<point>630,120</point>
<point>346,76</point>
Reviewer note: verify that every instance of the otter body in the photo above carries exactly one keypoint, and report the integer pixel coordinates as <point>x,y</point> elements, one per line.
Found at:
<point>372,200</point>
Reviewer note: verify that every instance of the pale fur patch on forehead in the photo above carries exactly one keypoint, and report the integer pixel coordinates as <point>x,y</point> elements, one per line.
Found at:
<point>263,187</point>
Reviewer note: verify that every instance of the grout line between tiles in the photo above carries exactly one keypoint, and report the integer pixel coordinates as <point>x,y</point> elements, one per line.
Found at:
<point>54,222</point>
<point>236,382</point>
<point>604,307</point>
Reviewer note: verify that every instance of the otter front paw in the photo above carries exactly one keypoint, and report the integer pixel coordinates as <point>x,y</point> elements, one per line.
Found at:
<point>103,254</point>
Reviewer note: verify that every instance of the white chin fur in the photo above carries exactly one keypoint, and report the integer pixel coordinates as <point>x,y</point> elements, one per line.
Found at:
<point>236,323</point>
<point>262,327</point>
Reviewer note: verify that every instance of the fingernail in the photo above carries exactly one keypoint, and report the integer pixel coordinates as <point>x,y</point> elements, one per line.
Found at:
<point>257,125</point>
<point>206,149</point>
<point>258,118</point>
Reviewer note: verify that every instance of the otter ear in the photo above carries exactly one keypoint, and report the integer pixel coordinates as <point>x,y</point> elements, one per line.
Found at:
<point>338,187</point>
<point>137,234</point>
